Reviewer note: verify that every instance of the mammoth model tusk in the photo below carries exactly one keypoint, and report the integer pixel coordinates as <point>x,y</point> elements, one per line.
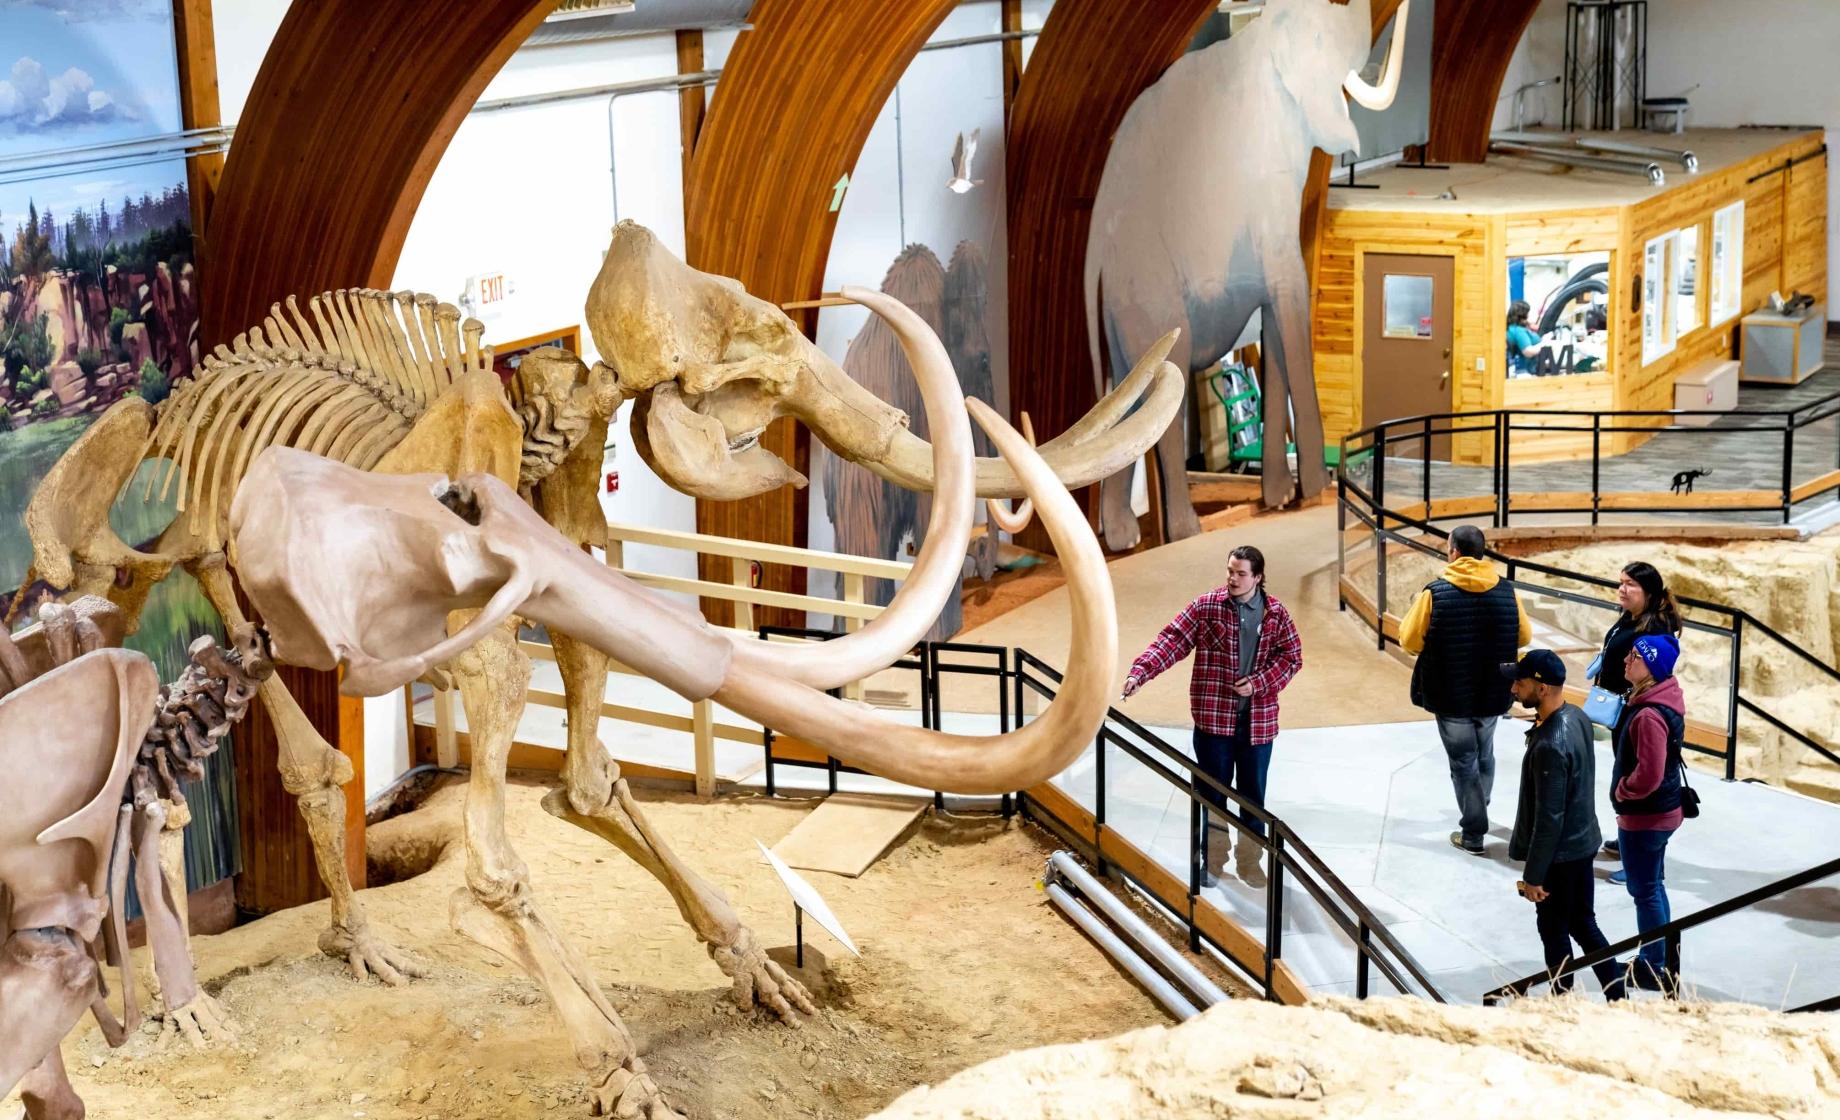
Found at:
<point>1001,516</point>
<point>941,563</point>
<point>1379,97</point>
<point>362,570</point>
<point>1097,446</point>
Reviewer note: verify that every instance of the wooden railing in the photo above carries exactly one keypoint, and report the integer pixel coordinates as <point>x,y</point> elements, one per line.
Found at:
<point>701,723</point>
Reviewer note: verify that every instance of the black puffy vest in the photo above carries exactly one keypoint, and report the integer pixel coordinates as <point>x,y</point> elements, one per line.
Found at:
<point>1666,796</point>
<point>1472,633</point>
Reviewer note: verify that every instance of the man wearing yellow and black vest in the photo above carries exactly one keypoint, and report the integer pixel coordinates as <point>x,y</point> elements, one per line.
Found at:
<point>1462,626</point>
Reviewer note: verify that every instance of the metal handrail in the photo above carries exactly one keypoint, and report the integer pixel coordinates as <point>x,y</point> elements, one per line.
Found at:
<point>1288,851</point>
<point>1386,523</point>
<point>1669,934</point>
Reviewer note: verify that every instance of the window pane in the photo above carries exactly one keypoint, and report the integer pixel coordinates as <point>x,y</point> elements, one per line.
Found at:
<point>1406,306</point>
<point>1686,280</point>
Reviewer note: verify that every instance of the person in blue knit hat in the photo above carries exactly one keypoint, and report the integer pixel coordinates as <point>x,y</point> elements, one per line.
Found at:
<point>1645,789</point>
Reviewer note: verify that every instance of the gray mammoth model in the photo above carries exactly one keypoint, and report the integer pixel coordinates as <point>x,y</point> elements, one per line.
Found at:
<point>1196,222</point>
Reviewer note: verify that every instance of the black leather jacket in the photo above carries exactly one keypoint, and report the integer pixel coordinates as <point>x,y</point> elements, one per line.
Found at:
<point>1557,817</point>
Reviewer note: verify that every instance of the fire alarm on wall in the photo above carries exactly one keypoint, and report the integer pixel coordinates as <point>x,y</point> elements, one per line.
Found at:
<point>613,482</point>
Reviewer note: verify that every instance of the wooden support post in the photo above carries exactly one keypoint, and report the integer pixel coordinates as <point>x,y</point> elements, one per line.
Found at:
<point>446,746</point>
<point>742,571</point>
<point>702,731</point>
<point>692,101</point>
<point>195,42</point>
<point>408,702</point>
<point>1012,55</point>
<point>852,593</point>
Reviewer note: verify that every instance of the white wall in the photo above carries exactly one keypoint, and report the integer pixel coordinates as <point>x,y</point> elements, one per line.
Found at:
<point>1755,62</point>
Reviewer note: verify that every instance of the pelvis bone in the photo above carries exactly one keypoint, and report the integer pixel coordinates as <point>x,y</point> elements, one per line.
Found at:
<point>712,366</point>
<point>361,570</point>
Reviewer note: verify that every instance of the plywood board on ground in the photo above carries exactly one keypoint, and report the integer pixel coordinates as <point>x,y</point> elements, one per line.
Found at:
<point>848,832</point>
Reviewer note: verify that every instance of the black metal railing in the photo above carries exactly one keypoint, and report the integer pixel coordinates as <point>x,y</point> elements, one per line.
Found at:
<point>1389,527</point>
<point>1121,740</point>
<point>1669,937</point>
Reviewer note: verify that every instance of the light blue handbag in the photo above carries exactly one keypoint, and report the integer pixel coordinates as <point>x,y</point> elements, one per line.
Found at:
<point>1601,706</point>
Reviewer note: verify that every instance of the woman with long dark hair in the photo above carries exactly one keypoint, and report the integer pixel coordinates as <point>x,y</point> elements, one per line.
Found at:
<point>1523,341</point>
<point>1648,608</point>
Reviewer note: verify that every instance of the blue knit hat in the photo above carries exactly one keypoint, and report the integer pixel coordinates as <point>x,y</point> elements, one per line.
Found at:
<point>1659,652</point>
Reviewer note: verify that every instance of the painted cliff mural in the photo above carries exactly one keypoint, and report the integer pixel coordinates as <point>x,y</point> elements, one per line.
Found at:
<point>872,517</point>
<point>98,300</point>
<point>1196,225</point>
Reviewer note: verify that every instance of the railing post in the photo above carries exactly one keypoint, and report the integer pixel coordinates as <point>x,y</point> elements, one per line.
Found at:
<point>1737,682</point>
<point>1495,473</point>
<point>1597,458</point>
<point>1671,961</point>
<point>741,574</point>
<point>1788,476</point>
<point>1507,464</point>
<point>853,593</point>
<point>1099,802</point>
<point>703,734</point>
<point>1380,590</point>
<point>1197,860</point>
<point>1274,910</point>
<point>1360,961</point>
<point>1425,450</point>
<point>1380,476</point>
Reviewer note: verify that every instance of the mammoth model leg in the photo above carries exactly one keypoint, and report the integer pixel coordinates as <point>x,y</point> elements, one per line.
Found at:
<point>497,908</point>
<point>314,774</point>
<point>596,797</point>
<point>1290,385</point>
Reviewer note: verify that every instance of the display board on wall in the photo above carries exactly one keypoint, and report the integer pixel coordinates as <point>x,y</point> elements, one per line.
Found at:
<point>98,302</point>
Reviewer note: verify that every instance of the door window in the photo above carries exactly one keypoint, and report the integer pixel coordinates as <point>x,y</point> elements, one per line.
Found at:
<point>1657,308</point>
<point>1406,302</point>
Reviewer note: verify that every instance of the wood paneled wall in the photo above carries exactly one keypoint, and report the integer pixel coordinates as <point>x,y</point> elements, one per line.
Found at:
<point>796,101</point>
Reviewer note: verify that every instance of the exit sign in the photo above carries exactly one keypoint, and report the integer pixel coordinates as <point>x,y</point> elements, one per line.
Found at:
<point>487,294</point>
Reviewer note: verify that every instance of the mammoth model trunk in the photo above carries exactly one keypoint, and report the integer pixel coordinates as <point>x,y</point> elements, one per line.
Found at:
<point>362,570</point>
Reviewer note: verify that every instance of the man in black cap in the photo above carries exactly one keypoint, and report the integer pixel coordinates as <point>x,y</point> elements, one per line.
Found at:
<point>1555,827</point>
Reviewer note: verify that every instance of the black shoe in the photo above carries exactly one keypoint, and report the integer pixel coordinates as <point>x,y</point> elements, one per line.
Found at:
<point>1616,990</point>
<point>1456,840</point>
<point>1612,849</point>
<point>1645,977</point>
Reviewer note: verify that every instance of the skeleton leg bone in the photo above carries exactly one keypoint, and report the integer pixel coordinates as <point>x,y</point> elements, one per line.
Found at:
<point>47,1094</point>
<point>191,1012</point>
<point>497,908</point>
<point>596,798</point>
<point>314,773</point>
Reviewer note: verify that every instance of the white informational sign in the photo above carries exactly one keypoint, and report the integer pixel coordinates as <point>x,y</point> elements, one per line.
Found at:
<point>806,897</point>
<point>487,295</point>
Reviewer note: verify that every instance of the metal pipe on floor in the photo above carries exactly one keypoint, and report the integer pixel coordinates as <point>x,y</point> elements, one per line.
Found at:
<point>1687,160</point>
<point>1572,159</point>
<point>1062,865</point>
<point>1115,947</point>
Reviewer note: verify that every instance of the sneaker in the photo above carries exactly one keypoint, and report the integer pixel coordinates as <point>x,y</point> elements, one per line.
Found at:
<point>1620,875</point>
<point>1250,870</point>
<point>1612,849</point>
<point>1649,979</point>
<point>1457,841</point>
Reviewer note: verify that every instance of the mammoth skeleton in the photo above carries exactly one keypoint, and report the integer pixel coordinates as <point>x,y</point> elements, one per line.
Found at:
<point>393,384</point>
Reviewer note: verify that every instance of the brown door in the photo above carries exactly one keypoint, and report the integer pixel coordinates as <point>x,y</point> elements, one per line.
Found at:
<point>1405,343</point>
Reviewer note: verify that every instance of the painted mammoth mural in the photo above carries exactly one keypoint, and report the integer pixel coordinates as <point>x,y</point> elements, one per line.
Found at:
<point>1196,223</point>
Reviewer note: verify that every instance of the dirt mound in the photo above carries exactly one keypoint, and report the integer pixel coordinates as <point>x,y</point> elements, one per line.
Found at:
<point>1556,1059</point>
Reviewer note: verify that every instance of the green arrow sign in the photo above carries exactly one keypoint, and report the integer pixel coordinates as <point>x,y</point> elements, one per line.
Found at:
<point>837,191</point>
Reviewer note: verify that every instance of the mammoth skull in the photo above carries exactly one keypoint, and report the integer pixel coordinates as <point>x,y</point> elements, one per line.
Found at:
<point>711,366</point>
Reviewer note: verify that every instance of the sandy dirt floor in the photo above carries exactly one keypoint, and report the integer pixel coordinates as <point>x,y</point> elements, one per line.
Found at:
<point>964,960</point>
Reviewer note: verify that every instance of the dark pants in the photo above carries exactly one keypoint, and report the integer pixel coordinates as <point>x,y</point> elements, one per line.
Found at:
<point>1644,856</point>
<point>1569,914</point>
<point>1236,761</point>
<point>1470,744</point>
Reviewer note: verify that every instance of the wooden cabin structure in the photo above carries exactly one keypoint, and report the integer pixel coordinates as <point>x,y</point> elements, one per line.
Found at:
<point>1769,184</point>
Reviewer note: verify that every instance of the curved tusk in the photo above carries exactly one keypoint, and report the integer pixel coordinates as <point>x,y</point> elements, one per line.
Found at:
<point>998,508</point>
<point>973,764</point>
<point>940,566</point>
<point>1097,446</point>
<point>1380,97</point>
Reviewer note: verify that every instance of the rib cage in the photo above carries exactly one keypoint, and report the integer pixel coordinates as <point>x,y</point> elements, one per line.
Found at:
<point>348,384</point>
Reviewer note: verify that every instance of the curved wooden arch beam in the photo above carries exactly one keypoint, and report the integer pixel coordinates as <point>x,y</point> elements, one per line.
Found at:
<point>353,107</point>
<point>1472,42</point>
<point>797,99</point>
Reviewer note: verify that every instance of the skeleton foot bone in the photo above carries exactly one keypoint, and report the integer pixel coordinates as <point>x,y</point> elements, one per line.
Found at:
<point>201,1022</point>
<point>370,955</point>
<point>760,980</point>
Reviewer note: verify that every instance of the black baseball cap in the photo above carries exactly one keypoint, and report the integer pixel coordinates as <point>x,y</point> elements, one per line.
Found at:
<point>1542,665</point>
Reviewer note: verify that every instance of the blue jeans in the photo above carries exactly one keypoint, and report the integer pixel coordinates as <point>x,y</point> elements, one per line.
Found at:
<point>1644,853</point>
<point>1470,745</point>
<point>1235,761</point>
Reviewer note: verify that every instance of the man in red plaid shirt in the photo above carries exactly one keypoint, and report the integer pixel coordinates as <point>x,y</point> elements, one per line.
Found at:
<point>1246,650</point>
